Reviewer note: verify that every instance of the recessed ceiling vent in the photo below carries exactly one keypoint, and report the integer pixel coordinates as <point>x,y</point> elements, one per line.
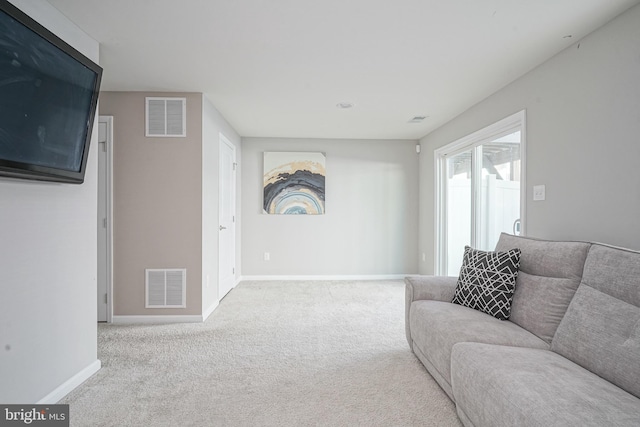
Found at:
<point>345,105</point>
<point>166,117</point>
<point>166,288</point>
<point>417,119</point>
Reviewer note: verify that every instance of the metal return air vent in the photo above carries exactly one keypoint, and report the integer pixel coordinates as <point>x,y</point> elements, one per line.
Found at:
<point>166,288</point>
<point>166,117</point>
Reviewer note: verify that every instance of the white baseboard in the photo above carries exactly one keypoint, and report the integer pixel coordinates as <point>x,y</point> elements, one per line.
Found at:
<point>68,386</point>
<point>329,277</point>
<point>155,318</point>
<point>195,318</point>
<point>210,310</point>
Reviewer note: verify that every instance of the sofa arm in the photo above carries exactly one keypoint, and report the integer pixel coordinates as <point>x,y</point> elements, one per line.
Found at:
<point>437,288</point>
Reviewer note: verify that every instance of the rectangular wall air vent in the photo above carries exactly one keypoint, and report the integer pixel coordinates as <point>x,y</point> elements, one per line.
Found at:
<point>166,288</point>
<point>166,117</point>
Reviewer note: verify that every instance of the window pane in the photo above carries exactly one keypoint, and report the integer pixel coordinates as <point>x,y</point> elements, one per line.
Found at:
<point>458,196</point>
<point>499,192</point>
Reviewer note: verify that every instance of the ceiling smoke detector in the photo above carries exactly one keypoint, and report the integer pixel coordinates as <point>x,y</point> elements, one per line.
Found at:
<point>417,119</point>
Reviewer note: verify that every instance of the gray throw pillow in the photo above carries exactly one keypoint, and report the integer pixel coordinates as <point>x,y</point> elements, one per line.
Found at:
<point>487,281</point>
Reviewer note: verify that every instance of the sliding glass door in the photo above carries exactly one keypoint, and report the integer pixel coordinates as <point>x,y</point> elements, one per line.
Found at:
<point>480,191</point>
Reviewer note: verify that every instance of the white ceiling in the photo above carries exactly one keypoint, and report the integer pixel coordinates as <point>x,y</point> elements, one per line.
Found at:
<point>277,68</point>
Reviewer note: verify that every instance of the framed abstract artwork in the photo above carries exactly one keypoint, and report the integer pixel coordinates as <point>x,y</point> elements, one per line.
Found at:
<point>294,183</point>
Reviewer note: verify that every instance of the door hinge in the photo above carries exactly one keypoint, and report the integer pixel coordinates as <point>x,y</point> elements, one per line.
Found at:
<point>235,165</point>
<point>104,222</point>
<point>233,271</point>
<point>105,299</point>
<point>104,145</point>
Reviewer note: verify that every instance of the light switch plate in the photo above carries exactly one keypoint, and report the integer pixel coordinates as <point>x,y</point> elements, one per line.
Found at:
<point>538,192</point>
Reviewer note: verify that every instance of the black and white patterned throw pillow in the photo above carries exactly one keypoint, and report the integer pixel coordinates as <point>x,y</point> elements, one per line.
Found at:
<point>487,281</point>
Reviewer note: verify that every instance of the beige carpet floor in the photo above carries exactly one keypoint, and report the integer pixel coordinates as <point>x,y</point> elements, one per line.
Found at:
<point>303,353</point>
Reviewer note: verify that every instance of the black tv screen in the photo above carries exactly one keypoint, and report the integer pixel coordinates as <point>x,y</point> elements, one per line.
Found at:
<point>48,98</point>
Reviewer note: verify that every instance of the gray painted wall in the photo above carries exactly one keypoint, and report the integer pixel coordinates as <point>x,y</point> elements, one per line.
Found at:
<point>166,201</point>
<point>157,202</point>
<point>583,143</point>
<point>48,263</point>
<point>371,212</point>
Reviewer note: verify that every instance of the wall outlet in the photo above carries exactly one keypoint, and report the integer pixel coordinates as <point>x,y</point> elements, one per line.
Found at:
<point>267,256</point>
<point>538,192</point>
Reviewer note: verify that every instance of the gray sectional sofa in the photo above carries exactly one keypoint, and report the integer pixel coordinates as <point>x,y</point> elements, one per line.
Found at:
<point>569,355</point>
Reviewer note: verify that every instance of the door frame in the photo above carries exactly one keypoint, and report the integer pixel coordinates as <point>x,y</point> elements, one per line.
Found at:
<point>482,136</point>
<point>108,212</point>
<point>225,141</point>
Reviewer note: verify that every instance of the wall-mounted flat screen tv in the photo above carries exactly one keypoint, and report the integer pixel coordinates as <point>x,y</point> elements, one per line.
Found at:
<point>48,98</point>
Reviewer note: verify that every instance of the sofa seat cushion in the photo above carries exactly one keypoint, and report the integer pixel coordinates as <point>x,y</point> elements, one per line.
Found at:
<point>436,326</point>
<point>510,386</point>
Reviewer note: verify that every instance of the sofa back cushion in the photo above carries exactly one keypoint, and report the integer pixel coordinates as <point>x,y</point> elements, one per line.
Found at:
<point>550,272</point>
<point>601,330</point>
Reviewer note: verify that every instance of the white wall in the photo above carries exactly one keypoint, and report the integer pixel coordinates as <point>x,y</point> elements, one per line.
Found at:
<point>370,225</point>
<point>583,127</point>
<point>48,263</point>
<point>212,125</point>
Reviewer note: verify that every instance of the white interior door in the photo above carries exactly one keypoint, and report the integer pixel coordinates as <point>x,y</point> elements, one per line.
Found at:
<point>227,226</point>
<point>105,143</point>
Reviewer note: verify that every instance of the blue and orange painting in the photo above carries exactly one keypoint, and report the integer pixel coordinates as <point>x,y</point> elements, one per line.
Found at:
<point>294,183</point>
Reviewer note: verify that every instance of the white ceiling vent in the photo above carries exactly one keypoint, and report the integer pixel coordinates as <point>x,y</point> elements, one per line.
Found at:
<point>166,288</point>
<point>417,119</point>
<point>166,117</point>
